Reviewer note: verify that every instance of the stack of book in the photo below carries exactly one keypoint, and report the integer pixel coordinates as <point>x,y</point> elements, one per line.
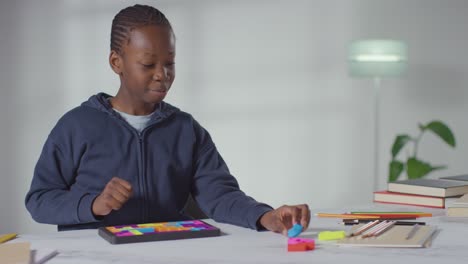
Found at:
<point>459,208</point>
<point>424,192</point>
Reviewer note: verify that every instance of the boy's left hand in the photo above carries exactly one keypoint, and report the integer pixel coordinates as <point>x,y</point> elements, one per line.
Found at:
<point>283,218</point>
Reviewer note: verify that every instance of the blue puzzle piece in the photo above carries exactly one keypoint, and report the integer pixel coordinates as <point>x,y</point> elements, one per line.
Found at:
<point>295,230</point>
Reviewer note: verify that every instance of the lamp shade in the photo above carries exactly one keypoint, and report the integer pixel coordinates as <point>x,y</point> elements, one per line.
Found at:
<point>377,58</point>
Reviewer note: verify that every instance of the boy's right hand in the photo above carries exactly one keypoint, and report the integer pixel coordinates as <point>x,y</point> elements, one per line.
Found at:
<point>115,194</point>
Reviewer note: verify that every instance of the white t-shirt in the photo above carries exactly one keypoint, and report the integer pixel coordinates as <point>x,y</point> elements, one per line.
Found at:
<point>138,122</point>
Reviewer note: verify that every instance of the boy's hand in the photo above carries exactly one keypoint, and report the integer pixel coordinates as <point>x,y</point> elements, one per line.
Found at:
<point>283,218</point>
<point>114,195</point>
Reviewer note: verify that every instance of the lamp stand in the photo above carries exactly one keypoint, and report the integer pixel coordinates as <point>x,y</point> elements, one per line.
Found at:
<point>377,83</point>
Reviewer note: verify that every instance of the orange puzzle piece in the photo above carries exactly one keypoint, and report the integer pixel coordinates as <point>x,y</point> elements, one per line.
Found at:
<point>300,244</point>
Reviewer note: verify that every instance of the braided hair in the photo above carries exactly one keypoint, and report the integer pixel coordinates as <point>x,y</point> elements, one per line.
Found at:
<point>133,17</point>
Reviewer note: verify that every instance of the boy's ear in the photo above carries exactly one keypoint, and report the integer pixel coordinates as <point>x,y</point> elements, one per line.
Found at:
<point>115,61</point>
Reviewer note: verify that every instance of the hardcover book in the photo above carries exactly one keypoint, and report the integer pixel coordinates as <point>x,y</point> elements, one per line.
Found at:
<point>430,187</point>
<point>409,199</point>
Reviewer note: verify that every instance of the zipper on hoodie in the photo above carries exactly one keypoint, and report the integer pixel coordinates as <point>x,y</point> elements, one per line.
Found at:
<point>142,181</point>
<point>141,176</point>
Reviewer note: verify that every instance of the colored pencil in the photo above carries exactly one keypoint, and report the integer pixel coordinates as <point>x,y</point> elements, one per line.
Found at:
<point>372,230</point>
<point>384,229</point>
<point>412,231</point>
<point>347,216</point>
<point>364,228</point>
<point>6,237</point>
<point>386,212</point>
<point>363,221</point>
<point>358,216</point>
<point>417,214</point>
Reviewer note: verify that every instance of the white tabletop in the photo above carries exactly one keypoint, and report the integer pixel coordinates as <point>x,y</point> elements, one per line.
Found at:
<point>241,245</point>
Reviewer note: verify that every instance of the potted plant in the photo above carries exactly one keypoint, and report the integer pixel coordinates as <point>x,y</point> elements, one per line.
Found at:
<point>416,168</point>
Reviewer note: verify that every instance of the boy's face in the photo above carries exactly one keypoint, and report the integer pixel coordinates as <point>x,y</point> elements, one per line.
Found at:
<point>146,65</point>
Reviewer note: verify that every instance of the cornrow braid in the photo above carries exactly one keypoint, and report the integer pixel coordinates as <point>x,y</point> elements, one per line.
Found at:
<point>133,17</point>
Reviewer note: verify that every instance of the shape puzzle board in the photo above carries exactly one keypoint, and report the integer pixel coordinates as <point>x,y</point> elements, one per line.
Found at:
<point>157,231</point>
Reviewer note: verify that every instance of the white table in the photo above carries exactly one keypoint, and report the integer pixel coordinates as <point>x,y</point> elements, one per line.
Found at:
<point>241,245</point>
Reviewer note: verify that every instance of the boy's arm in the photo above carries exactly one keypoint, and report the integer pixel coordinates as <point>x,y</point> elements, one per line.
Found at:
<point>53,198</point>
<point>217,191</point>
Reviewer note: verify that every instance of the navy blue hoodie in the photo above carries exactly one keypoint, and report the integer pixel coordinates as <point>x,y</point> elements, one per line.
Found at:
<point>171,158</point>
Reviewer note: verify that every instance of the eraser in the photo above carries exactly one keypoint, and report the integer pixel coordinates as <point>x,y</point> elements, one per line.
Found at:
<point>300,244</point>
<point>331,235</point>
<point>295,230</point>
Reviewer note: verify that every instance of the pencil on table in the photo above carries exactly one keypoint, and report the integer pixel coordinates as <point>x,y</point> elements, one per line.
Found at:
<point>370,217</point>
<point>385,228</point>
<point>371,231</point>
<point>365,221</point>
<point>6,237</point>
<point>348,216</point>
<point>380,230</point>
<point>412,232</point>
<point>401,216</point>
<point>420,214</point>
<point>365,227</point>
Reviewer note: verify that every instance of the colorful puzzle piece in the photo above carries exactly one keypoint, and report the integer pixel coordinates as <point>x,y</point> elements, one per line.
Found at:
<point>143,229</point>
<point>295,230</point>
<point>300,244</point>
<point>331,235</point>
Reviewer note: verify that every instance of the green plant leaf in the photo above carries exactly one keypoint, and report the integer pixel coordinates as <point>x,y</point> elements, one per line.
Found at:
<point>399,143</point>
<point>417,169</point>
<point>395,169</point>
<point>443,131</point>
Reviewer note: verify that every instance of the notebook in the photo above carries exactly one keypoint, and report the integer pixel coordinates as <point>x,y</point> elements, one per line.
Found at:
<point>17,253</point>
<point>394,237</point>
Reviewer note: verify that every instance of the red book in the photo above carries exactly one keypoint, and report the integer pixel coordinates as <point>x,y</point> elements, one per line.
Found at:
<point>409,199</point>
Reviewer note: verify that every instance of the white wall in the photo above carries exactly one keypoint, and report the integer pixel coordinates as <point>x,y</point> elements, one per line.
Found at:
<point>268,79</point>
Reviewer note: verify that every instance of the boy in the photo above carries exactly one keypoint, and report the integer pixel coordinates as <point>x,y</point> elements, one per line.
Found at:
<point>134,158</point>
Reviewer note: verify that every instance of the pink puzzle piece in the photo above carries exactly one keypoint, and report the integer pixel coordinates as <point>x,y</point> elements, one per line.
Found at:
<point>300,244</point>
